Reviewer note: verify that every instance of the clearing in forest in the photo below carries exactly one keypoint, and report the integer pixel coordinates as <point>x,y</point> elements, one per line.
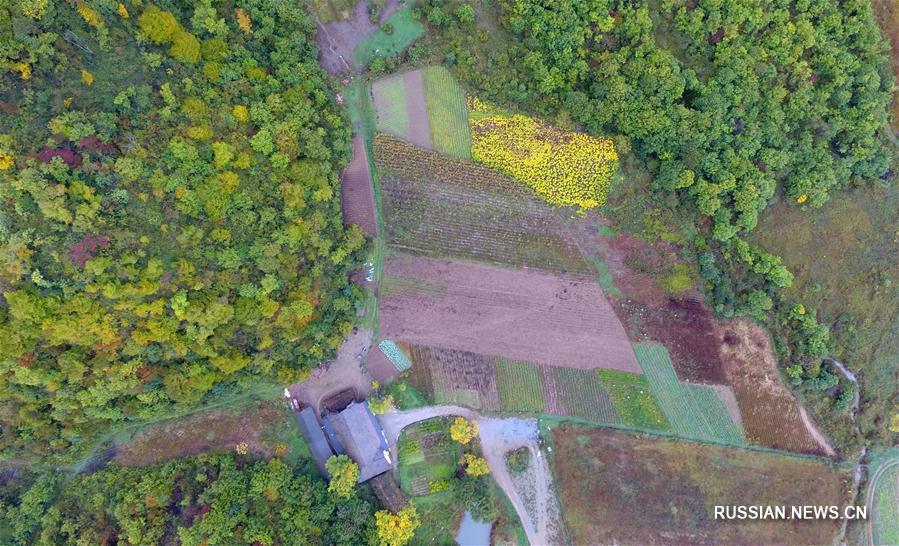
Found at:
<point>563,167</point>
<point>443,207</point>
<point>771,414</point>
<point>520,315</point>
<point>679,483</point>
<point>381,43</point>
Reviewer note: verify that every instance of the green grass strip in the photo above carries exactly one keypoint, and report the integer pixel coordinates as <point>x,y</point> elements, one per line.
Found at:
<point>447,113</point>
<point>886,501</point>
<point>390,106</point>
<point>395,355</point>
<point>633,400</point>
<point>519,385</point>
<point>715,413</point>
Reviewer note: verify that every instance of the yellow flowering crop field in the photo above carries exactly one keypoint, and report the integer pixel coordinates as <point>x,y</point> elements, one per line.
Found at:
<point>563,167</point>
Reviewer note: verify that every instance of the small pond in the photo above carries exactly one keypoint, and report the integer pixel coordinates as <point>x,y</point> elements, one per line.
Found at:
<point>473,532</point>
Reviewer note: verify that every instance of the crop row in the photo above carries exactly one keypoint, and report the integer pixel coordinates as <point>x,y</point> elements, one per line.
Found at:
<point>691,412</point>
<point>447,113</point>
<point>519,385</point>
<point>584,396</point>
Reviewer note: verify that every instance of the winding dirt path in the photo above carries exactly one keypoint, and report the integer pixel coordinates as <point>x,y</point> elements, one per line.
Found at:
<point>814,432</point>
<point>497,436</point>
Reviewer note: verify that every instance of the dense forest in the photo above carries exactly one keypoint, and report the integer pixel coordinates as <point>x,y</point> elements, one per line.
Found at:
<point>727,104</point>
<point>210,499</point>
<point>169,211</point>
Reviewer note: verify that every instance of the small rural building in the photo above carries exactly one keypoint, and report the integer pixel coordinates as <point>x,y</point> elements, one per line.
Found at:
<point>318,443</point>
<point>357,432</point>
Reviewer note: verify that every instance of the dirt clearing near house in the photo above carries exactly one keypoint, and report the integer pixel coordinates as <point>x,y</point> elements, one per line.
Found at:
<point>357,200</point>
<point>652,491</point>
<point>520,315</point>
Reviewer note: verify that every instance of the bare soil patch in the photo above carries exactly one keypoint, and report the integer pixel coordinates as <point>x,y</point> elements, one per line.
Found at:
<point>524,315</point>
<point>337,40</point>
<point>649,491</point>
<point>771,415</point>
<point>417,107</point>
<point>357,199</point>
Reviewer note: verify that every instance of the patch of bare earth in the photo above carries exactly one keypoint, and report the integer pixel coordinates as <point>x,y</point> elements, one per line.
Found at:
<point>417,108</point>
<point>523,315</point>
<point>771,415</point>
<point>217,430</point>
<point>357,199</point>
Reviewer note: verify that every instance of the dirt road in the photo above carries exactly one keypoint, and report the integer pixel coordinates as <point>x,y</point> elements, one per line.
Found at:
<point>498,436</point>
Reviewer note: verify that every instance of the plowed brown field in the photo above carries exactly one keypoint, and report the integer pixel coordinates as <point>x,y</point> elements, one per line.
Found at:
<point>523,315</point>
<point>356,196</point>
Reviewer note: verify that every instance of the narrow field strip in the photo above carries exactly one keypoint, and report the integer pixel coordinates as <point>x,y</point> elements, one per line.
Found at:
<point>519,385</point>
<point>584,396</point>
<point>447,113</point>
<point>715,414</point>
<point>390,104</point>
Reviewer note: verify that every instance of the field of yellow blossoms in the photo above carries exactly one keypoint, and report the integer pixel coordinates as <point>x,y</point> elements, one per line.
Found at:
<point>562,167</point>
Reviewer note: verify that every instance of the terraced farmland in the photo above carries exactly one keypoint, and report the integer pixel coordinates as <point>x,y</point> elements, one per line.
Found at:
<point>441,207</point>
<point>447,113</point>
<point>519,385</point>
<point>584,396</point>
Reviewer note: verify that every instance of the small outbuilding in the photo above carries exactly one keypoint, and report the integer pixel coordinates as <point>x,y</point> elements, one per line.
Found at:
<point>318,443</point>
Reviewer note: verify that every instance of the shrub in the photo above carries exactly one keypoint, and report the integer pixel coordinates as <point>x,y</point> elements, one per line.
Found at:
<point>518,460</point>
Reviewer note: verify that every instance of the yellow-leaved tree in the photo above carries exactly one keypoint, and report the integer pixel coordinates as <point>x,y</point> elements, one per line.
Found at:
<point>476,466</point>
<point>463,431</point>
<point>396,529</point>
<point>344,474</point>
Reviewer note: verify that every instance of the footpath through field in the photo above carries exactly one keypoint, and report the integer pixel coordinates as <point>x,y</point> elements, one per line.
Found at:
<point>498,437</point>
